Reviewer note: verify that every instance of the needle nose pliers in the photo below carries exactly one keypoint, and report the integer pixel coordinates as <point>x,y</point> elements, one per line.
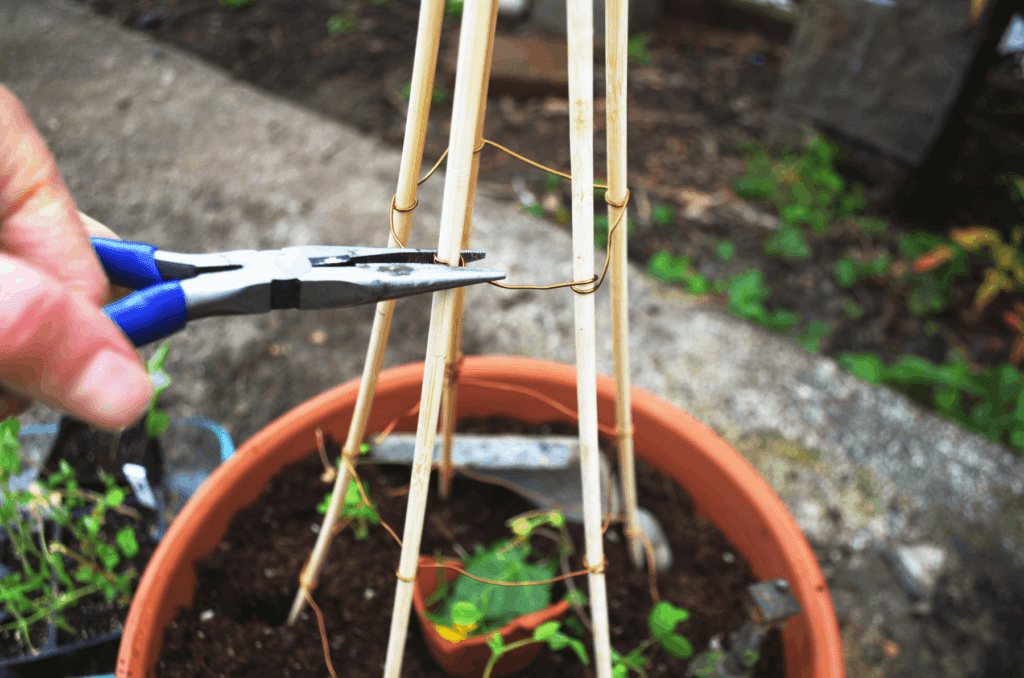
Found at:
<point>174,288</point>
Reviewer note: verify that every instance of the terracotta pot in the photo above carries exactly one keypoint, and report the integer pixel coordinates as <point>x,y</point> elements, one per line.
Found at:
<point>723,486</point>
<point>467,658</point>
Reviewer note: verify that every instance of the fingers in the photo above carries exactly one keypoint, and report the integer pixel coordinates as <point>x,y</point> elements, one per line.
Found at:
<point>38,219</point>
<point>95,229</point>
<point>57,347</point>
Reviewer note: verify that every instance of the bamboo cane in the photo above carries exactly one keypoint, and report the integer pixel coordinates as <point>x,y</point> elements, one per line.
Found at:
<point>473,40</point>
<point>450,394</point>
<point>580,23</point>
<point>616,38</point>
<point>428,39</point>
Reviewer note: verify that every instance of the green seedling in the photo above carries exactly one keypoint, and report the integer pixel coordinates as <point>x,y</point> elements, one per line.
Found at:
<point>236,4</point>
<point>55,577</point>
<point>874,227</point>
<point>848,271</point>
<point>663,215</point>
<point>548,632</point>
<point>663,622</point>
<point>355,510</point>
<point>812,335</point>
<point>747,294</point>
<point>535,210</point>
<point>676,269</point>
<point>342,24</point>
<point>852,309</point>
<point>931,289</point>
<point>787,243</point>
<point>639,50</point>
<point>157,420</point>
<point>453,8</point>
<point>725,250</point>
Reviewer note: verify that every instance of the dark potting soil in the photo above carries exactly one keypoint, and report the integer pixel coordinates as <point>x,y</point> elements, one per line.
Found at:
<point>236,627</point>
<point>87,449</point>
<point>92,618</point>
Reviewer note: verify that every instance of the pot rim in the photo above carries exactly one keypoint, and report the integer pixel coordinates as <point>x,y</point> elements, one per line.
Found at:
<point>722,484</point>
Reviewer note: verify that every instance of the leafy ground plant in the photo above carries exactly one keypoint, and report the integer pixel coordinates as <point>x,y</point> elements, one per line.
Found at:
<point>990,403</point>
<point>56,574</point>
<point>803,187</point>
<point>342,24</point>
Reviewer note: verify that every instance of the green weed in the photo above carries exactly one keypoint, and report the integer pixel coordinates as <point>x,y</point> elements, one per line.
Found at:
<point>725,250</point>
<point>804,189</point>
<point>934,290</point>
<point>812,335</point>
<point>747,294</point>
<point>787,243</point>
<point>663,215</point>
<point>990,402</point>
<point>342,24</point>
<point>849,271</point>
<point>552,182</point>
<point>639,50</point>
<point>676,269</point>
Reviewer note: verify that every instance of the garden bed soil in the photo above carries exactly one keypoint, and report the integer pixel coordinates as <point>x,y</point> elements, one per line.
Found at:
<point>702,90</point>
<point>236,626</point>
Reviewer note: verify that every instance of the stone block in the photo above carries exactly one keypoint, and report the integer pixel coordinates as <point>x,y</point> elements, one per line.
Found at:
<point>885,74</point>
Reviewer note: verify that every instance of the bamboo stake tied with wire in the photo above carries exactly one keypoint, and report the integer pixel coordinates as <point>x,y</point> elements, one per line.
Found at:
<point>471,74</point>
<point>616,55</point>
<point>428,39</point>
<point>580,22</point>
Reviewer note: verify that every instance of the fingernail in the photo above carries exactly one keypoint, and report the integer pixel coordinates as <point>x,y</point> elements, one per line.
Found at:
<point>112,391</point>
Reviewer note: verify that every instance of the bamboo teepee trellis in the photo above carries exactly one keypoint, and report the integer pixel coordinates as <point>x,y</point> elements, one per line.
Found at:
<point>444,339</point>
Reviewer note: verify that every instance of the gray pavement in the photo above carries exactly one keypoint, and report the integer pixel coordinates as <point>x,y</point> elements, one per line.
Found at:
<point>917,522</point>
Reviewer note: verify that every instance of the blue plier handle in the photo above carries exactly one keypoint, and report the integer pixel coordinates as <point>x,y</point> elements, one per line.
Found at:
<point>174,288</point>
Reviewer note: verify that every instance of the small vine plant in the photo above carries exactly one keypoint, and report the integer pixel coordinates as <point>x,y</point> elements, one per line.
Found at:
<point>472,608</point>
<point>42,576</point>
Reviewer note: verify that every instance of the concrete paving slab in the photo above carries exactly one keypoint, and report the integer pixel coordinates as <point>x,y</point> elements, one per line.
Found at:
<point>163,147</point>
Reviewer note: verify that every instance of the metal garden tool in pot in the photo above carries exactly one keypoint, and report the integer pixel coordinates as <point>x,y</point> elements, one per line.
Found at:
<point>543,469</point>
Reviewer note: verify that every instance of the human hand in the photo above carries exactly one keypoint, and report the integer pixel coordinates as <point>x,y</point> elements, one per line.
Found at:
<point>56,345</point>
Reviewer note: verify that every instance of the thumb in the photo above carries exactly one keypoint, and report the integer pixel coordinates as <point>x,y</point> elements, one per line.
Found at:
<point>59,348</point>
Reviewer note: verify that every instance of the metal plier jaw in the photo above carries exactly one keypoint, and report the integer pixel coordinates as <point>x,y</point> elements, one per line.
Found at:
<point>177,287</point>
